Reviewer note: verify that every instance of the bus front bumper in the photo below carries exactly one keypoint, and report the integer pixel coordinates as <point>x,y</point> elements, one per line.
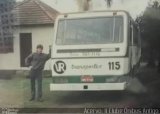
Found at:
<point>88,87</point>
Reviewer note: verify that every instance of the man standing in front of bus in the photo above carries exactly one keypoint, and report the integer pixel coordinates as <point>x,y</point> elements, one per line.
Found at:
<point>37,61</point>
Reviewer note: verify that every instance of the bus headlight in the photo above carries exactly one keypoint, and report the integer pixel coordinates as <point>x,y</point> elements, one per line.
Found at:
<point>60,80</point>
<point>117,79</point>
<point>112,79</point>
<point>124,79</point>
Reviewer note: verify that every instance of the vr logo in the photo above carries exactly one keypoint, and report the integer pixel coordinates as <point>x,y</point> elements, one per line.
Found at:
<point>59,67</point>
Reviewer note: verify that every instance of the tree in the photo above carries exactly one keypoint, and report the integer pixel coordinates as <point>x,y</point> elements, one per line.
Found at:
<point>83,4</point>
<point>109,3</point>
<point>149,24</point>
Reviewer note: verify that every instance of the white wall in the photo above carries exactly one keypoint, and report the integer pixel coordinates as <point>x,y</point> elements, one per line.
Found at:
<point>40,35</point>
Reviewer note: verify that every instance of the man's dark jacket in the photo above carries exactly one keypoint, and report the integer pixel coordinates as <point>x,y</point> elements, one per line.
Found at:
<point>37,60</point>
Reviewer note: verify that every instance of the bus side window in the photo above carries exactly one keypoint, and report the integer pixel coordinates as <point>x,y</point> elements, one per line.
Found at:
<point>130,34</point>
<point>135,35</point>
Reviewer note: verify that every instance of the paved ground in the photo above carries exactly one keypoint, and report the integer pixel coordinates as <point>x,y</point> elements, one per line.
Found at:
<point>16,92</point>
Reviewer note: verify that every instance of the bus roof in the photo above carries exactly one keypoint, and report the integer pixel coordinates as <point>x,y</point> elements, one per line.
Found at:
<point>94,11</point>
<point>99,11</point>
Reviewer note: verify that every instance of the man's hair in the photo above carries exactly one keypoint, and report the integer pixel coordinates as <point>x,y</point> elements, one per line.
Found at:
<point>40,46</point>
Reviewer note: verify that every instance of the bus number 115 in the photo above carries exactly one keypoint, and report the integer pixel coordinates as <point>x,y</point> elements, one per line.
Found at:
<point>114,65</point>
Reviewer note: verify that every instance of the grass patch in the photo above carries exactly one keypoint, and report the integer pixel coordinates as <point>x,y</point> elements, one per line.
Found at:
<point>16,93</point>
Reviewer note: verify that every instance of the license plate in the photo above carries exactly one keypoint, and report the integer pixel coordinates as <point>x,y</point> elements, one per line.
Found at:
<point>87,79</point>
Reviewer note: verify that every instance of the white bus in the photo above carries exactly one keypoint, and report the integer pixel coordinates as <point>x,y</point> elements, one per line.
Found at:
<point>94,51</point>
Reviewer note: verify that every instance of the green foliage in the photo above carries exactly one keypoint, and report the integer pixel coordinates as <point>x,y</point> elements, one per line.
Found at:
<point>149,24</point>
<point>109,3</point>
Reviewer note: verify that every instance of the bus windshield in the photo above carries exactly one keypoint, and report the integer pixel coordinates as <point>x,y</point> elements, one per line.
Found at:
<point>99,30</point>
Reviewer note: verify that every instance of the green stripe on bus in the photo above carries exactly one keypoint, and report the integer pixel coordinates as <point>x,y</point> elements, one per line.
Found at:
<point>77,79</point>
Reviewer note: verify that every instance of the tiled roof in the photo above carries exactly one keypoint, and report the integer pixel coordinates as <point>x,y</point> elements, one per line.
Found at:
<point>35,12</point>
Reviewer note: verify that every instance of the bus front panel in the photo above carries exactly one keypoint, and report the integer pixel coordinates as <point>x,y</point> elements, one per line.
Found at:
<point>90,53</point>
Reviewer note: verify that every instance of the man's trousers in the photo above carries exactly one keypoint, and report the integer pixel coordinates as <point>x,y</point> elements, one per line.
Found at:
<point>36,82</point>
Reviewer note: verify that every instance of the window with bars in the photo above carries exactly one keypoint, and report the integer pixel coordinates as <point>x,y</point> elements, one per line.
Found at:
<point>6,26</point>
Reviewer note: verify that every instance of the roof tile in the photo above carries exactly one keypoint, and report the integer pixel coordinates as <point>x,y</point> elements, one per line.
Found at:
<point>31,12</point>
